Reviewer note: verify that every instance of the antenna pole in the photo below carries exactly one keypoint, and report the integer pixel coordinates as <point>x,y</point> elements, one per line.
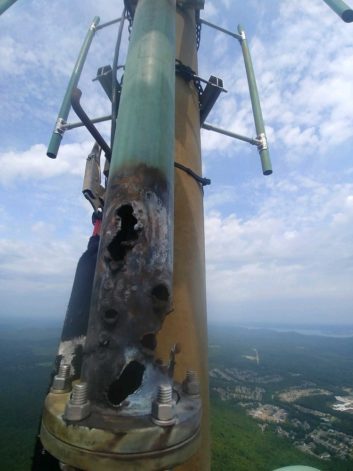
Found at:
<point>256,107</point>
<point>5,4</point>
<point>59,129</point>
<point>342,9</point>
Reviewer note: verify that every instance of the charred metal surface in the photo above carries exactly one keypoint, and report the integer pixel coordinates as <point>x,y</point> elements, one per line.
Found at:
<point>131,294</point>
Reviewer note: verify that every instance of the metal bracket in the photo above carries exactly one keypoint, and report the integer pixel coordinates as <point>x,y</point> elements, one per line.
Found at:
<point>262,142</point>
<point>104,77</point>
<point>209,96</point>
<point>92,189</point>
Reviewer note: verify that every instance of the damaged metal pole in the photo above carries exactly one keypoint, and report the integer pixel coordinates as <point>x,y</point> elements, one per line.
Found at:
<point>133,285</point>
<point>134,414</point>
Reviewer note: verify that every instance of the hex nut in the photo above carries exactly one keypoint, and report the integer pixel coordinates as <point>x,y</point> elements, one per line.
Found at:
<point>60,384</point>
<point>191,388</point>
<point>76,412</point>
<point>191,384</point>
<point>163,414</point>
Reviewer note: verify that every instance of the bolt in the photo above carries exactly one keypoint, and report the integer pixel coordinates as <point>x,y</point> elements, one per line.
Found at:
<point>61,380</point>
<point>78,407</point>
<point>163,406</point>
<point>191,384</point>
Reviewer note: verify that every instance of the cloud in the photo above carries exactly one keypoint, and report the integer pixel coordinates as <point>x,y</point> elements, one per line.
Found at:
<point>297,246</point>
<point>274,245</point>
<point>304,69</point>
<point>33,164</point>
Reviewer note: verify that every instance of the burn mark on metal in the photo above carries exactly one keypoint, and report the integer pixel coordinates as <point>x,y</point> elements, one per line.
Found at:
<point>131,293</point>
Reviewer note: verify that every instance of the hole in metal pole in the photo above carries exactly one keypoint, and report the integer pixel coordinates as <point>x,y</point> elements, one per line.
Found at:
<point>128,382</point>
<point>111,316</point>
<point>161,292</point>
<point>123,241</point>
<point>160,299</point>
<point>149,341</point>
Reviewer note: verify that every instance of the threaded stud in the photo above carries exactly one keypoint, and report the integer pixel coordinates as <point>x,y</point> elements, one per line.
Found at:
<point>79,394</point>
<point>191,383</point>
<point>191,376</point>
<point>165,394</point>
<point>163,413</point>
<point>64,371</point>
<point>61,380</point>
<point>78,407</point>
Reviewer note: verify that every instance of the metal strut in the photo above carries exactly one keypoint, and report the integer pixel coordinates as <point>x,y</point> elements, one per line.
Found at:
<point>76,105</point>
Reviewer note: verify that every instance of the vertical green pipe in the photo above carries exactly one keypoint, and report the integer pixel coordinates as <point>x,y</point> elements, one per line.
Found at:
<point>5,4</point>
<point>256,107</point>
<point>145,124</point>
<point>56,137</point>
<point>342,9</point>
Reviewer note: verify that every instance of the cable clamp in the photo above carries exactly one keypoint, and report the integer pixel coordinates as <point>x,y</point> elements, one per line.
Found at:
<point>200,180</point>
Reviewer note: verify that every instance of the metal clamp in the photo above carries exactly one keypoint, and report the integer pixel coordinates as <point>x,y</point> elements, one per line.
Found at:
<point>60,126</point>
<point>200,180</point>
<point>242,35</point>
<point>262,143</point>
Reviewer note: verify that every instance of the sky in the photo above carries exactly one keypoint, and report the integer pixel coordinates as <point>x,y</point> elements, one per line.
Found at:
<point>279,248</point>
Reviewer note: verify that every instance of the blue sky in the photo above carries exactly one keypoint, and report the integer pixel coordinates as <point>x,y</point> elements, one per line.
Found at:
<point>278,248</point>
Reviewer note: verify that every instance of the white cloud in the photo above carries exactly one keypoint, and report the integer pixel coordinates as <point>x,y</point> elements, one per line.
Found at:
<point>288,240</point>
<point>304,68</point>
<point>33,164</point>
<point>297,246</point>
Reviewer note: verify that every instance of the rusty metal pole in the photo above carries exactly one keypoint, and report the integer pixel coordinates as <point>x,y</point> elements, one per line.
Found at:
<point>187,327</point>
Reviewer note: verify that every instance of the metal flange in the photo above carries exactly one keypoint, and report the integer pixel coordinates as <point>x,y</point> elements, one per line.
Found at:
<point>136,442</point>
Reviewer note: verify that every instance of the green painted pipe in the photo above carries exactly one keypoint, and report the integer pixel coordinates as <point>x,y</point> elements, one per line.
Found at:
<point>5,4</point>
<point>58,132</point>
<point>342,9</point>
<point>256,107</point>
<point>145,123</point>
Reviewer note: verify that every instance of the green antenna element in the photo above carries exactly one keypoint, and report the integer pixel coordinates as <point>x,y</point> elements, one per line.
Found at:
<point>58,132</point>
<point>256,107</point>
<point>342,9</point>
<point>5,4</point>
